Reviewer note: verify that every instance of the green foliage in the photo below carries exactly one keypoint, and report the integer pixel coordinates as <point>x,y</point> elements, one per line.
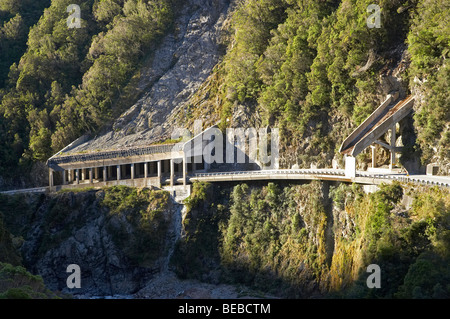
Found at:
<point>198,195</point>
<point>197,254</point>
<point>17,283</point>
<point>281,239</point>
<point>429,46</point>
<point>428,277</point>
<point>16,17</point>
<point>311,62</point>
<point>68,80</point>
<point>146,212</point>
<point>412,249</point>
<point>248,234</point>
<point>299,64</point>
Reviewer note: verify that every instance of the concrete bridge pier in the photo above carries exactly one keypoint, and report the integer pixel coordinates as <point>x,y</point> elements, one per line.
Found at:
<point>91,177</point>
<point>172,169</point>
<point>350,166</point>
<point>393,139</point>
<point>50,177</point>
<point>159,170</point>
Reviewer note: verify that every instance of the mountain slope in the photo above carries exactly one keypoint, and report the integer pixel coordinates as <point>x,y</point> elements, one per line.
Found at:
<point>314,69</point>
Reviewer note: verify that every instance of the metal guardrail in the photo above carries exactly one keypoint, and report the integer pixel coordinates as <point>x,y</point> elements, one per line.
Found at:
<point>274,172</point>
<point>405,179</point>
<point>26,191</point>
<point>400,178</point>
<point>325,172</point>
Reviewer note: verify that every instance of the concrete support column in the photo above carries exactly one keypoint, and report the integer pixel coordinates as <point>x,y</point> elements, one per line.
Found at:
<point>118,172</point>
<point>374,155</point>
<point>145,170</point>
<point>105,175</point>
<point>83,174</point>
<point>132,170</point>
<point>50,177</point>
<point>172,169</point>
<point>350,167</point>
<point>159,168</point>
<point>184,170</point>
<point>91,176</point>
<point>96,172</point>
<point>393,139</point>
<point>77,176</point>
<point>64,179</point>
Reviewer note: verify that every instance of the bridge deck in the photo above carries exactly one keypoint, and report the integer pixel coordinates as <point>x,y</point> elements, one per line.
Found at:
<point>337,175</point>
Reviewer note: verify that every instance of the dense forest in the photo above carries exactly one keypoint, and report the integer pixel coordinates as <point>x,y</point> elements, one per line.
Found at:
<point>63,82</point>
<point>290,240</point>
<point>316,240</point>
<point>313,68</point>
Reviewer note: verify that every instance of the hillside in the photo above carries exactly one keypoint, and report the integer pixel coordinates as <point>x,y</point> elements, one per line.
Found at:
<point>288,240</point>
<point>316,240</point>
<point>136,69</point>
<point>312,68</point>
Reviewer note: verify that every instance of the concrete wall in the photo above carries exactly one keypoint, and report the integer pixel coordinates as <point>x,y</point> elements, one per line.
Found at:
<point>137,182</point>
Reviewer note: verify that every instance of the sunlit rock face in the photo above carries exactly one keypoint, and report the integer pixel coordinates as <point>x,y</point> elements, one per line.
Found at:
<point>181,63</point>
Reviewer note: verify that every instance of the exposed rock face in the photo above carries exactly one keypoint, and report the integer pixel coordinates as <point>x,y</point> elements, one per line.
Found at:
<point>73,228</point>
<point>180,65</point>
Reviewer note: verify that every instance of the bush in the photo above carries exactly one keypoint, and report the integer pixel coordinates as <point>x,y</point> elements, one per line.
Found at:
<point>17,283</point>
<point>147,213</point>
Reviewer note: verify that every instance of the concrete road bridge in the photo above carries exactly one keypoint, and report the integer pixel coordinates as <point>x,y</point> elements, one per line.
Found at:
<point>336,175</point>
<point>176,166</point>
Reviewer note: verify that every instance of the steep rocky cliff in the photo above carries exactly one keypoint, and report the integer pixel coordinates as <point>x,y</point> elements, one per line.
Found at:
<point>317,239</point>
<point>281,239</point>
<point>120,238</point>
<point>179,66</point>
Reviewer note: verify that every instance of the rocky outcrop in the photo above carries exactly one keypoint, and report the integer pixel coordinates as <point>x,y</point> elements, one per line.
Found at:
<point>76,228</point>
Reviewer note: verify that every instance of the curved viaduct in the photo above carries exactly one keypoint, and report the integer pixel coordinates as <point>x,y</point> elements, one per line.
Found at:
<point>337,175</point>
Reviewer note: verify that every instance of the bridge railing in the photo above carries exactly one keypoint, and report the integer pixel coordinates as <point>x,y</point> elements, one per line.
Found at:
<point>405,179</point>
<point>27,190</point>
<point>274,172</point>
<point>327,172</point>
